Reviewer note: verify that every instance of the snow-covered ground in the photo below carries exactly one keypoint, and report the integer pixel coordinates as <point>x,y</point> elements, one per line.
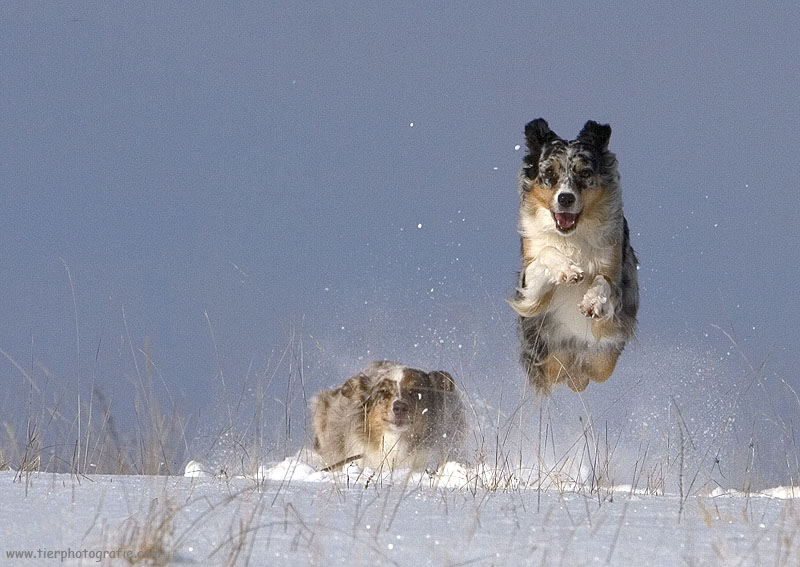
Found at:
<point>290,514</point>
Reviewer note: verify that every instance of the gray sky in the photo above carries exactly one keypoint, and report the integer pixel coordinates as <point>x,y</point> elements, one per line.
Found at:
<point>343,179</point>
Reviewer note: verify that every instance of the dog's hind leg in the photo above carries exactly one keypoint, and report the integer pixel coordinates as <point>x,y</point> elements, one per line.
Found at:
<point>577,381</point>
<point>570,371</point>
<point>600,366</point>
<point>561,366</point>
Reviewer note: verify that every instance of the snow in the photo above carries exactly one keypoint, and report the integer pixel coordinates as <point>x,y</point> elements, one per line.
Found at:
<point>291,514</point>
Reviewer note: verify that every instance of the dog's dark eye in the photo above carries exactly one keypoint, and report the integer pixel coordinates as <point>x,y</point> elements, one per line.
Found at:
<point>549,174</point>
<point>382,394</point>
<point>585,173</point>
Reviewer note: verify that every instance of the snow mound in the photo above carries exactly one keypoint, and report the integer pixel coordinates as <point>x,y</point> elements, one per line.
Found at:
<point>305,468</point>
<point>778,492</point>
<point>196,469</point>
<point>451,475</point>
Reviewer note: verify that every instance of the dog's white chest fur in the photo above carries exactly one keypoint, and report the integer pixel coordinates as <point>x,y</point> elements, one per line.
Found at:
<point>564,308</point>
<point>392,448</point>
<point>567,267</point>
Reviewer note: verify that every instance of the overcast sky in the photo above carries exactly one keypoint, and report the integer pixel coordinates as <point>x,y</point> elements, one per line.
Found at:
<point>212,183</point>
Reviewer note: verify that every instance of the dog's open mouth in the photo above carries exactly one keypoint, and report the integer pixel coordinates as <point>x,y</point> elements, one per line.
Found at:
<point>565,222</point>
<point>397,422</point>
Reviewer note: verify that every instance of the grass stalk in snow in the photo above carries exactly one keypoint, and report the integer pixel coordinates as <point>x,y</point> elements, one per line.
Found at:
<point>152,537</point>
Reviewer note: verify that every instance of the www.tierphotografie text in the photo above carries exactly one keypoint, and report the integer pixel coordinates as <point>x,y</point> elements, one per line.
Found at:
<point>97,555</point>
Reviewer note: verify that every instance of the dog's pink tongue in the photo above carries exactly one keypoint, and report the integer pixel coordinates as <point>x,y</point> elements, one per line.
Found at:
<point>566,220</point>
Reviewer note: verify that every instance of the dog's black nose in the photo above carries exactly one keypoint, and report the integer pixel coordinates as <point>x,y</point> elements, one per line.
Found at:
<point>399,407</point>
<point>566,199</point>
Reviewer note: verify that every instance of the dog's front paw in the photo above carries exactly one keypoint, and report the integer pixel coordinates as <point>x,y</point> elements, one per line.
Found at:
<point>568,274</point>
<point>596,302</point>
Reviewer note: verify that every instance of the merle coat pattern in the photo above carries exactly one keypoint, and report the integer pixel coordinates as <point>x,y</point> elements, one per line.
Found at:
<point>578,293</point>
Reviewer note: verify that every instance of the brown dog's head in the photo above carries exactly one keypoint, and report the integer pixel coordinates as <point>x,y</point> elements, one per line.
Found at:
<point>391,415</point>
<point>399,398</point>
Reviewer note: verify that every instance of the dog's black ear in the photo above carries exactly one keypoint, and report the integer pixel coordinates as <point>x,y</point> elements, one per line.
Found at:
<point>596,134</point>
<point>441,380</point>
<point>537,134</point>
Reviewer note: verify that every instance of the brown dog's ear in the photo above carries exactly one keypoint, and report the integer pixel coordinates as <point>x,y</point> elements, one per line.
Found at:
<point>597,135</point>
<point>356,387</point>
<point>442,380</point>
